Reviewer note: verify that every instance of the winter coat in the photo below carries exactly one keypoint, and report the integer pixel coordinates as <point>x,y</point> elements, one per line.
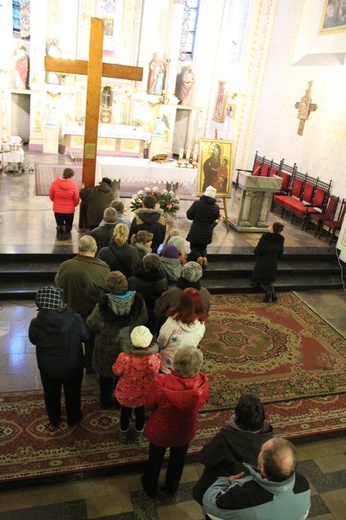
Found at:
<point>64,194</point>
<point>171,298</point>
<point>203,214</point>
<point>142,251</point>
<point>254,496</point>
<point>172,268</point>
<point>103,235</point>
<point>120,258</point>
<point>268,251</point>
<point>174,401</point>
<point>173,335</point>
<point>58,336</point>
<point>98,199</point>
<point>150,284</point>
<point>151,220</point>
<point>136,369</point>
<point>224,454</point>
<point>83,280</point>
<point>113,319</point>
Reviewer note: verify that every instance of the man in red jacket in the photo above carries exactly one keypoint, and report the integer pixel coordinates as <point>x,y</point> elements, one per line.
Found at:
<point>174,400</point>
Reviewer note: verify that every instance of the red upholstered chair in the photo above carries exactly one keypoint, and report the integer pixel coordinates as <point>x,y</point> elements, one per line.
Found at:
<point>294,193</point>
<point>256,168</point>
<point>334,225</point>
<point>317,215</point>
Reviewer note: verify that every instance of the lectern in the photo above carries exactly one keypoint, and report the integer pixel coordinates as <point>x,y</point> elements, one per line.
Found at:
<point>255,202</point>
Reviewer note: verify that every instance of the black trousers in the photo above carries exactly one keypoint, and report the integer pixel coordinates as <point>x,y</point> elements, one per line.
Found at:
<point>64,219</point>
<point>174,471</point>
<point>52,387</point>
<point>126,414</point>
<point>107,387</point>
<point>197,250</point>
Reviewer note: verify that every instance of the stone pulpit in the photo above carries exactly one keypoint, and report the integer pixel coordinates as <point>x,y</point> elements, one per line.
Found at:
<point>255,201</point>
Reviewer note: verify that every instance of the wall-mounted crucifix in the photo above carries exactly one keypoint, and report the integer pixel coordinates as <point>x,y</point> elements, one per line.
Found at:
<point>94,69</point>
<point>304,108</point>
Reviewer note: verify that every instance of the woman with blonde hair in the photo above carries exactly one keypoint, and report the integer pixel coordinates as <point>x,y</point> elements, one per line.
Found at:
<point>119,254</point>
<point>142,242</point>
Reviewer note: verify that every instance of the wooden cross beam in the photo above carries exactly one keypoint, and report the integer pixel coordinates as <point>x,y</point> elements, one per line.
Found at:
<point>304,108</point>
<point>94,69</point>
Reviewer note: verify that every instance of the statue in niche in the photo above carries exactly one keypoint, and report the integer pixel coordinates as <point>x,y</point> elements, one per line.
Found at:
<point>156,75</point>
<point>21,60</point>
<point>54,51</point>
<point>185,83</point>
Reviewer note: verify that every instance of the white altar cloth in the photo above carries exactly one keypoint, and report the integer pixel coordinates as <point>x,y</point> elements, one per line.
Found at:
<point>114,131</point>
<point>143,170</point>
<point>15,156</point>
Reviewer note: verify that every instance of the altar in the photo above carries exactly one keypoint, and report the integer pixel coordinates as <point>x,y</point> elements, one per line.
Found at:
<point>144,170</point>
<point>112,139</point>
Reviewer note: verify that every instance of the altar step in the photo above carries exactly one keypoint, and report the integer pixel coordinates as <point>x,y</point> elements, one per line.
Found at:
<point>299,269</point>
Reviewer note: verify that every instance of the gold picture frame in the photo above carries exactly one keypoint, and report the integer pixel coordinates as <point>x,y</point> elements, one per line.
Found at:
<point>333,19</point>
<point>220,104</point>
<point>215,166</point>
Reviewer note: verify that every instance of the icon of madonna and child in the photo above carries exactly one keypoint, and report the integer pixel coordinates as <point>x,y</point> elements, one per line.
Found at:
<point>215,166</point>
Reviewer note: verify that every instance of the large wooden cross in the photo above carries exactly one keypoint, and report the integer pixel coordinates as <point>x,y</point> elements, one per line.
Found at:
<point>94,69</point>
<point>304,108</point>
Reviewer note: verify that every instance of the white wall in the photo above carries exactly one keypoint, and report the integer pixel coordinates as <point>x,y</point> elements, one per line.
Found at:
<point>321,150</point>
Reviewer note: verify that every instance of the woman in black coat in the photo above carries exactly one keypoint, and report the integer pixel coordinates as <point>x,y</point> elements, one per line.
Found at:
<point>268,251</point>
<point>203,213</point>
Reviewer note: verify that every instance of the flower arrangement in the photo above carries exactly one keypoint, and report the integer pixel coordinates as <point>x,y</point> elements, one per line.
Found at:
<point>166,200</point>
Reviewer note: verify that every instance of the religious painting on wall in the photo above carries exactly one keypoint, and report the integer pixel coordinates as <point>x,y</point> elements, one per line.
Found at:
<point>156,75</point>
<point>333,19</point>
<point>215,166</point>
<point>220,105</point>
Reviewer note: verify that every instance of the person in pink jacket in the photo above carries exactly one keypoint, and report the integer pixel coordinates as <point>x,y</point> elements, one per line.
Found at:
<point>136,368</point>
<point>64,193</point>
<point>174,400</point>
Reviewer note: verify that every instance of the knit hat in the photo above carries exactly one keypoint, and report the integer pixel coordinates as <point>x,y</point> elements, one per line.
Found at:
<point>210,192</point>
<point>170,251</point>
<point>179,242</point>
<point>49,298</point>
<point>192,271</point>
<point>107,180</point>
<point>141,337</point>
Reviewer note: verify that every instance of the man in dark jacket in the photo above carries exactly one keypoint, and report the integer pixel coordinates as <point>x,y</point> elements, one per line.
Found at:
<point>103,234</point>
<point>98,198</point>
<point>150,219</point>
<point>238,441</point>
<point>58,333</point>
<point>204,214</point>
<point>83,280</point>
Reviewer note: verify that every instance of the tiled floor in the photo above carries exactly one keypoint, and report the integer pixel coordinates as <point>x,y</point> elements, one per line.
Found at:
<point>27,220</point>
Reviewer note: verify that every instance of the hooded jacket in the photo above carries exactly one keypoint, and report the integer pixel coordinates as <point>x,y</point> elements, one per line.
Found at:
<point>174,401</point>
<point>150,284</point>
<point>119,258</point>
<point>203,214</point>
<point>257,497</point>
<point>113,319</point>
<point>173,335</point>
<point>58,336</point>
<point>225,453</point>
<point>98,199</point>
<point>151,220</point>
<point>136,369</point>
<point>172,268</point>
<point>64,194</point>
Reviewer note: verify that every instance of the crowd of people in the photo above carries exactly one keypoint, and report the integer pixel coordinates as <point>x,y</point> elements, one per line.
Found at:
<point>130,308</point>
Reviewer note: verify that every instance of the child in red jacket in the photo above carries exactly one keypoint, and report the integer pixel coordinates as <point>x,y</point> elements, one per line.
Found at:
<point>136,368</point>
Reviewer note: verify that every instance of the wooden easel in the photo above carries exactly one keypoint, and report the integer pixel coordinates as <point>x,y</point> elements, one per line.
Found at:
<point>225,211</point>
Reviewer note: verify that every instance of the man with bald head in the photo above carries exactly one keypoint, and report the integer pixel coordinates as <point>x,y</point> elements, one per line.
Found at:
<point>83,280</point>
<point>275,490</point>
